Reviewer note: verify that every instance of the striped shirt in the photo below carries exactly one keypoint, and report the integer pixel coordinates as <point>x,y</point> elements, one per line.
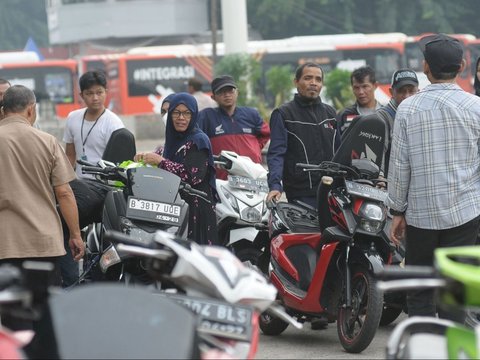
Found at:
<point>434,172</point>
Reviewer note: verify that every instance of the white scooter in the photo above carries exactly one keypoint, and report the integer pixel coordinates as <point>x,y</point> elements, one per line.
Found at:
<point>242,208</point>
<point>227,296</point>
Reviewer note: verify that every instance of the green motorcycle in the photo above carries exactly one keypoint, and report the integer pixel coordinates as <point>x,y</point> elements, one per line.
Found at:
<point>456,277</point>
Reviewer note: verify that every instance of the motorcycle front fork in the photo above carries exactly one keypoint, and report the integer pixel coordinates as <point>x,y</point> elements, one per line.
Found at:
<point>348,280</point>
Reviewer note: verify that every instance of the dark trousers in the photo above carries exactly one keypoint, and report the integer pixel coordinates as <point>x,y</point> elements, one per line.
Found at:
<point>420,246</point>
<point>90,196</point>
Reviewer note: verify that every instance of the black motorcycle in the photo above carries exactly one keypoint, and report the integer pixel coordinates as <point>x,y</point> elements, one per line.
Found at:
<point>145,200</point>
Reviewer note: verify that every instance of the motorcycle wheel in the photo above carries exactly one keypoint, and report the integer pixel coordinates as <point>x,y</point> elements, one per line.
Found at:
<point>271,325</point>
<point>250,257</point>
<point>389,315</point>
<point>356,326</point>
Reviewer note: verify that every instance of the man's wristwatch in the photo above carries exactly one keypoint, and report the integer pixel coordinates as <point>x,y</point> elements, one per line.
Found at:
<point>396,213</point>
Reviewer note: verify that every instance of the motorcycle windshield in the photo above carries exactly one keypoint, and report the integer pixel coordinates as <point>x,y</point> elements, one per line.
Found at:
<point>154,184</point>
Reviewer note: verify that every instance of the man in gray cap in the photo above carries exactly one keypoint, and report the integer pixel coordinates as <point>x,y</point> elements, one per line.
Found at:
<point>434,177</point>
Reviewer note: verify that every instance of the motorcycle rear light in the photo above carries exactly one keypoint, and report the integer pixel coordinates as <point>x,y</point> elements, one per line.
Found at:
<point>109,257</point>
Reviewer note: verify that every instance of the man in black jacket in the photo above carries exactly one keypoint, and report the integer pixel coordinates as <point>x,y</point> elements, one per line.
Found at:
<point>364,84</point>
<point>302,131</point>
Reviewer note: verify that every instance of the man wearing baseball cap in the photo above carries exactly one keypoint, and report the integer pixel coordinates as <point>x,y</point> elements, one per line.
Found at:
<point>230,127</point>
<point>434,177</point>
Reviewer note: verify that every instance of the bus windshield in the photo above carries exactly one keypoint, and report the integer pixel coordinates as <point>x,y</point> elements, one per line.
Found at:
<point>54,83</point>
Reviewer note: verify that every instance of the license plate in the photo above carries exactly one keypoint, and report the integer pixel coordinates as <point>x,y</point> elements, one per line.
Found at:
<point>153,211</point>
<point>366,191</point>
<point>241,182</point>
<point>219,318</point>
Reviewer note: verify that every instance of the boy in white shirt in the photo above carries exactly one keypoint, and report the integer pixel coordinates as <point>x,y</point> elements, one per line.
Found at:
<point>88,130</point>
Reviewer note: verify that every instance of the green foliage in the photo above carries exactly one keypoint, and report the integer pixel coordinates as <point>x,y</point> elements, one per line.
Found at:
<point>338,88</point>
<point>245,70</point>
<point>280,83</point>
<point>21,19</point>
<point>315,17</point>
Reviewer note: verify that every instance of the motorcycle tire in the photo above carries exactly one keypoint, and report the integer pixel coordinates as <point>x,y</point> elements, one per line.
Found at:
<point>271,325</point>
<point>249,256</point>
<point>356,326</point>
<point>389,315</point>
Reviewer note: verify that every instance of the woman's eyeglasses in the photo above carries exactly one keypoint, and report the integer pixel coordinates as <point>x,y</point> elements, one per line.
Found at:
<point>186,114</point>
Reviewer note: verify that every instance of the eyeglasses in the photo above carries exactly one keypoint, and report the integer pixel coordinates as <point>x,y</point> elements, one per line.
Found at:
<point>226,90</point>
<point>92,93</point>
<point>186,114</point>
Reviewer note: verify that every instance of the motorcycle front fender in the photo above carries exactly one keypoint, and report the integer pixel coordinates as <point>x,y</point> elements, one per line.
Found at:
<point>370,259</point>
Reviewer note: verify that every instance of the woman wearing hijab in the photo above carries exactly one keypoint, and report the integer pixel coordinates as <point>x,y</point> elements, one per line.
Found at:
<point>476,82</point>
<point>188,154</point>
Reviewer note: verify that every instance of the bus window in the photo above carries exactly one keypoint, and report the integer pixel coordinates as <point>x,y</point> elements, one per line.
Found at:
<point>383,61</point>
<point>50,80</point>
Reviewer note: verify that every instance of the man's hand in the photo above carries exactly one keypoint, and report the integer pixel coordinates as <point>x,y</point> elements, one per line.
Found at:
<point>274,194</point>
<point>77,247</point>
<point>397,231</point>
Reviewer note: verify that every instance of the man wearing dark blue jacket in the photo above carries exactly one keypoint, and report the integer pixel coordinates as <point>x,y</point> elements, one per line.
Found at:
<point>302,131</point>
<point>230,127</point>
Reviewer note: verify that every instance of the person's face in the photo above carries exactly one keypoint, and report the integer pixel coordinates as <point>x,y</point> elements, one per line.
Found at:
<point>364,91</point>
<point>226,97</point>
<point>181,117</point>
<point>310,83</point>
<point>94,97</point>
<point>164,111</point>
<point>3,88</point>
<point>403,92</point>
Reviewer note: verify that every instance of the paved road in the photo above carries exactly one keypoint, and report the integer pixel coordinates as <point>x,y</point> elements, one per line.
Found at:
<point>319,344</point>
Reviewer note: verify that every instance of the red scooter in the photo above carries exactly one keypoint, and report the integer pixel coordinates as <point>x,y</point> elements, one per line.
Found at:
<point>323,263</point>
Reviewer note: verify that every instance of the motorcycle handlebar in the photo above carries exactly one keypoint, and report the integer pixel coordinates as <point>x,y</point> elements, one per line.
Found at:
<point>120,238</point>
<point>329,168</point>
<point>408,272</point>
<point>188,188</point>
<point>93,169</point>
<point>85,163</point>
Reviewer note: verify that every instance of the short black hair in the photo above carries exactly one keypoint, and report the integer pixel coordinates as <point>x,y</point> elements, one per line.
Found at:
<point>4,81</point>
<point>17,98</point>
<point>195,84</point>
<point>91,78</point>
<point>299,71</point>
<point>361,73</point>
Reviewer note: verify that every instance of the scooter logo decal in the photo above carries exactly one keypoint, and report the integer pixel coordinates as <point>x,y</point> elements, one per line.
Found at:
<point>219,130</point>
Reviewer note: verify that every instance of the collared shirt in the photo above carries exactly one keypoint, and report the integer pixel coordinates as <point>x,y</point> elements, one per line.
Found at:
<point>434,171</point>
<point>33,163</point>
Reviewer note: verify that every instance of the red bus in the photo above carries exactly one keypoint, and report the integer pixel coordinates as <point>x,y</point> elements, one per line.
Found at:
<point>140,78</point>
<point>51,80</point>
<point>414,59</point>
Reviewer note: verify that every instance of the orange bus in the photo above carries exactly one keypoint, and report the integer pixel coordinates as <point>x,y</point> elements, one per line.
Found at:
<point>52,80</point>
<point>139,79</point>
<point>414,59</point>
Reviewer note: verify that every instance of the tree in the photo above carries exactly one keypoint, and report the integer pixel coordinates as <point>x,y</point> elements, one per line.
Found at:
<point>317,17</point>
<point>21,19</point>
<point>246,72</point>
<point>279,83</point>
<point>338,88</point>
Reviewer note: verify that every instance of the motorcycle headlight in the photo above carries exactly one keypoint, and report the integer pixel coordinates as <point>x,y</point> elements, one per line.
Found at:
<point>230,198</point>
<point>109,257</point>
<point>251,214</point>
<point>372,217</point>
